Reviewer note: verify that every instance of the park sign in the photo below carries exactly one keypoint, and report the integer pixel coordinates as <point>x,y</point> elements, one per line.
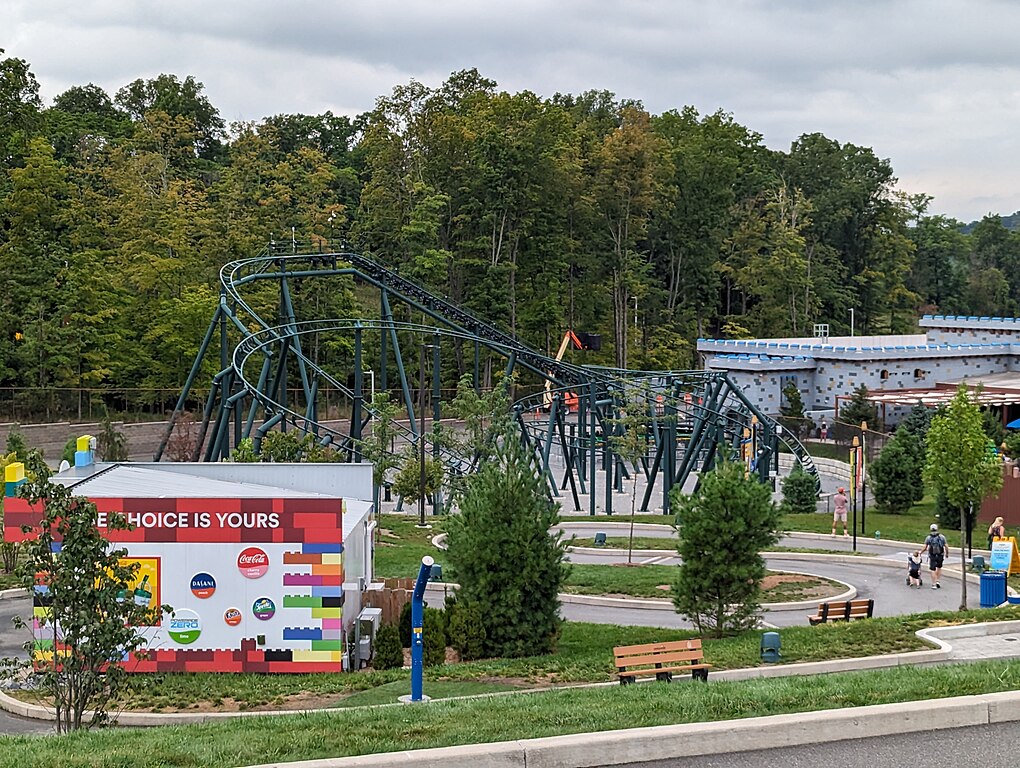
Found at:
<point>1005,556</point>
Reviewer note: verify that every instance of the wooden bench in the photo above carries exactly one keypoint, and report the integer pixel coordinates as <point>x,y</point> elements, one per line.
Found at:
<point>843,610</point>
<point>661,660</point>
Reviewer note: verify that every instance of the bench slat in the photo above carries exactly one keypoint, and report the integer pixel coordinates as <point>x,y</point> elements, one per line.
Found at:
<point>672,645</point>
<point>843,610</point>
<point>656,658</point>
<point>660,670</point>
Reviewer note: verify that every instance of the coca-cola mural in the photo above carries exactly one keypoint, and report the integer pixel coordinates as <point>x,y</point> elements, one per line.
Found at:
<point>253,563</point>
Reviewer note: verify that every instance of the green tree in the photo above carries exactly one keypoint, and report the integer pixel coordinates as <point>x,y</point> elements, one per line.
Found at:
<point>859,410</point>
<point>433,637</point>
<point>507,562</point>
<point>791,412</point>
<point>111,443</point>
<point>723,527</point>
<point>466,630</point>
<point>961,463</point>
<point>16,443</point>
<point>377,447</point>
<point>799,492</point>
<point>82,582</point>
<point>388,654</point>
<point>629,436</point>
<point>896,473</point>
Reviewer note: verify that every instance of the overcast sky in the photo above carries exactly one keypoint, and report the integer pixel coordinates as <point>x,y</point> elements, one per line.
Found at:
<point>933,85</point>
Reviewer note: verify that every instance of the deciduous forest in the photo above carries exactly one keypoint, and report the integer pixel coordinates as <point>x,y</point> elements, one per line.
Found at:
<point>541,214</point>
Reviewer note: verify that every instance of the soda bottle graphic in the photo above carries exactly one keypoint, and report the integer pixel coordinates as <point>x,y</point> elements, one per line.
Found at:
<point>122,595</point>
<point>142,595</point>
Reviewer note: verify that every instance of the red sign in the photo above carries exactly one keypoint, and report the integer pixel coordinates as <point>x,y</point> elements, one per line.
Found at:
<point>253,563</point>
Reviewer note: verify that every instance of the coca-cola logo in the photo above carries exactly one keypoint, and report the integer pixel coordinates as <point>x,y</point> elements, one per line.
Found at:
<point>253,563</point>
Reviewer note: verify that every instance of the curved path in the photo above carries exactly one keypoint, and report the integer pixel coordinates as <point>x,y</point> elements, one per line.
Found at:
<point>879,576</point>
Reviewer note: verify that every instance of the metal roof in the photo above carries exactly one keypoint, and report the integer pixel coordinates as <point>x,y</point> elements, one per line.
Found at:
<point>126,481</point>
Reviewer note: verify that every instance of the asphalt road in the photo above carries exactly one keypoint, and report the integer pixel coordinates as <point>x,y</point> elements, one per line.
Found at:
<point>11,645</point>
<point>987,745</point>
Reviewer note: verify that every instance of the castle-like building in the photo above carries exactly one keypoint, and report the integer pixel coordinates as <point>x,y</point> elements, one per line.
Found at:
<point>899,371</point>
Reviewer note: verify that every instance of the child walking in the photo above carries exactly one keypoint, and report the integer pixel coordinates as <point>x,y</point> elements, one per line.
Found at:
<point>914,569</point>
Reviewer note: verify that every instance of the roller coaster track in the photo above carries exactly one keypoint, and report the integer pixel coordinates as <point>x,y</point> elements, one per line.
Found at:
<point>718,421</point>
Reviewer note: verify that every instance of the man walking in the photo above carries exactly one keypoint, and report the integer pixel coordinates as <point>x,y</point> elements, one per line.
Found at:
<point>937,549</point>
<point>839,502</point>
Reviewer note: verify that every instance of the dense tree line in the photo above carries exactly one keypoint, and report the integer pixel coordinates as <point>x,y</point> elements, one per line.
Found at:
<point>576,211</point>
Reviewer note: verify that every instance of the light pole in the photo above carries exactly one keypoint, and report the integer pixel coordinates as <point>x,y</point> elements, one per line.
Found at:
<point>851,322</point>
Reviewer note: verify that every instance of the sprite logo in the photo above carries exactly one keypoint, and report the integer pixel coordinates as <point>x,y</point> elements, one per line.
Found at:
<point>185,626</point>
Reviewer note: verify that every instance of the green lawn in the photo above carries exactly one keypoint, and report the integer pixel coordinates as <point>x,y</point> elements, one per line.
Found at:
<point>363,731</point>
<point>438,689</point>
<point>400,545</point>
<point>907,527</point>
<point>620,542</point>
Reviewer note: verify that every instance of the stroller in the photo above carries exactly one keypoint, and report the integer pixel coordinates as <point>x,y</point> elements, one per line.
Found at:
<point>914,570</point>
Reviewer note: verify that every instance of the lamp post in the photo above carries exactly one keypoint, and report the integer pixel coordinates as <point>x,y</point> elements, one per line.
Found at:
<point>851,322</point>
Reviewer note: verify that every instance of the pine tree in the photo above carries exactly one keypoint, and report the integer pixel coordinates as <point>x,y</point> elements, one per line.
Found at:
<point>799,492</point>
<point>467,631</point>
<point>723,527</point>
<point>433,637</point>
<point>896,473</point>
<point>860,409</point>
<point>508,564</point>
<point>388,652</point>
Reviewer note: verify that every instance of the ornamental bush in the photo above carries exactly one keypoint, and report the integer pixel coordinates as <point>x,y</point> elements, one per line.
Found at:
<point>388,652</point>
<point>466,631</point>
<point>799,492</point>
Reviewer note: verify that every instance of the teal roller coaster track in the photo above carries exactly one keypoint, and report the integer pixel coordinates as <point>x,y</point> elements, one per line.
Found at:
<point>267,379</point>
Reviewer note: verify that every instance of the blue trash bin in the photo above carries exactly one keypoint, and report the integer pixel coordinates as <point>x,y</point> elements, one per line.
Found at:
<point>993,589</point>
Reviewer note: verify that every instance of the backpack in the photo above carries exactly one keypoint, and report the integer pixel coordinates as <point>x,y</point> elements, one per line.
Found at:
<point>936,545</point>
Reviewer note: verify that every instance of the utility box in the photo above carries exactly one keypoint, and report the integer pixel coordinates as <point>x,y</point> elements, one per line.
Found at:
<point>368,625</point>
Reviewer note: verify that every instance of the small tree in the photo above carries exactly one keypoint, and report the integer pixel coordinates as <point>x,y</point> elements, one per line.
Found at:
<point>723,527</point>
<point>408,480</point>
<point>466,631</point>
<point>88,625</point>
<point>506,561</point>
<point>388,653</point>
<point>629,440</point>
<point>378,446</point>
<point>800,495</point>
<point>896,473</point>
<point>433,637</point>
<point>183,440</point>
<point>16,443</point>
<point>111,443</point>
<point>404,625</point>
<point>860,409</point>
<point>961,464</point>
<point>792,412</point>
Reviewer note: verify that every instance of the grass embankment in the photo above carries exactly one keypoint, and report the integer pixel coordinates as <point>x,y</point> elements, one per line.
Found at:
<point>906,527</point>
<point>400,545</point>
<point>584,655</point>
<point>501,718</point>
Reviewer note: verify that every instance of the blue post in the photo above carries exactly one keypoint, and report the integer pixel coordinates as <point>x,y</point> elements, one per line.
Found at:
<point>417,612</point>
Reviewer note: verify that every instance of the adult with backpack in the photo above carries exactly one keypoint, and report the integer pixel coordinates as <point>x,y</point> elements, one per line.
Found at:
<point>937,549</point>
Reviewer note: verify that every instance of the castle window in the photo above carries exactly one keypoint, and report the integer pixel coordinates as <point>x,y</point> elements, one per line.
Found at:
<point>918,373</point>
<point>883,375</point>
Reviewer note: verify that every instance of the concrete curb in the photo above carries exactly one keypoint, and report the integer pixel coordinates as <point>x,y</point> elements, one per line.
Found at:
<point>15,594</point>
<point>670,742</point>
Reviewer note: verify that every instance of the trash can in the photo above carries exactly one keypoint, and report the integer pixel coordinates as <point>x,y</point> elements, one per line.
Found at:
<point>993,589</point>
<point>770,647</point>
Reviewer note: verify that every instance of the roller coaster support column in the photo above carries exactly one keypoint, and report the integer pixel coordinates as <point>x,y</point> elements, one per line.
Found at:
<point>417,620</point>
<point>383,352</point>
<point>359,395</point>
<point>592,468</point>
<point>437,497</point>
<point>404,387</point>
<point>192,374</point>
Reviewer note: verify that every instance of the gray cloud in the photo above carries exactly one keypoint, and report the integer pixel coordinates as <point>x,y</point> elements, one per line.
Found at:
<point>930,84</point>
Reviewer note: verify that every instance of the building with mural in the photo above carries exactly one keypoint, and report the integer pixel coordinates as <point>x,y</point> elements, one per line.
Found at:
<point>899,371</point>
<point>264,564</point>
